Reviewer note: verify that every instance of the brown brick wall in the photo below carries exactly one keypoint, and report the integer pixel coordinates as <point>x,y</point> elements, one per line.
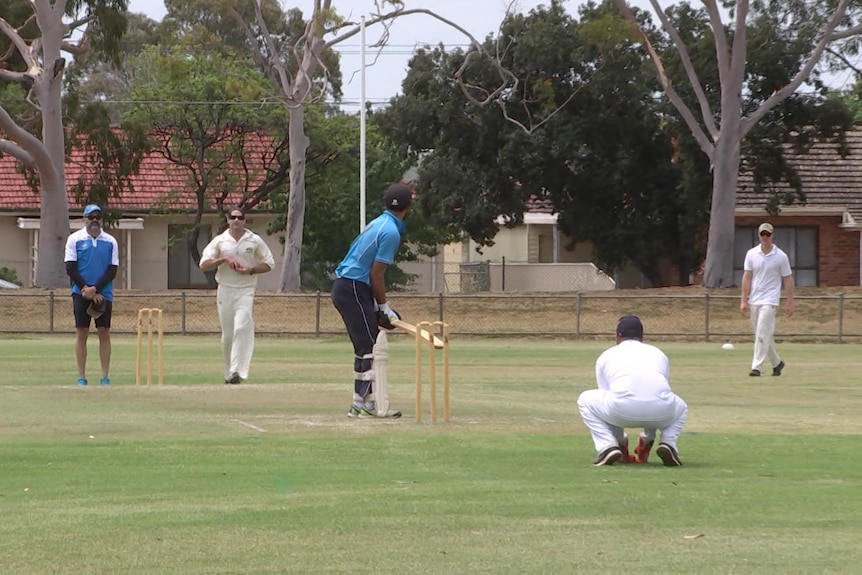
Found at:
<point>837,248</point>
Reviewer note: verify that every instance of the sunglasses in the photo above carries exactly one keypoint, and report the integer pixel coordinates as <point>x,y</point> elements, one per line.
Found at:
<point>93,217</point>
<point>767,234</point>
<point>236,217</point>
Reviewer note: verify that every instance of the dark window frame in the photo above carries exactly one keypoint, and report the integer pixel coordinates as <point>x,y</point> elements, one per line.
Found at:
<point>791,251</point>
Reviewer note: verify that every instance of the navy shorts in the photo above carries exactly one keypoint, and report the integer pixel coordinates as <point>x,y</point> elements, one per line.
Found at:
<point>82,318</point>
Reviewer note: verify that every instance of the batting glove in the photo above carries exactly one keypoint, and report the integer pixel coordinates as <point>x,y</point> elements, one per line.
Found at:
<point>386,315</point>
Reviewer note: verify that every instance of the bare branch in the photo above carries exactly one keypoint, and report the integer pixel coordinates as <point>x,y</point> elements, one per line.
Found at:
<point>533,127</point>
<point>397,14</point>
<point>732,88</point>
<point>705,108</point>
<point>17,151</point>
<point>844,59</point>
<point>20,44</point>
<point>697,131</point>
<point>780,95</point>
<point>71,26</point>
<point>722,50</point>
<point>23,145</point>
<point>849,32</point>
<point>75,49</point>
<point>15,76</point>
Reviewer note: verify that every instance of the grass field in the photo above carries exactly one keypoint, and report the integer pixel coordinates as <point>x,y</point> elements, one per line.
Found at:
<point>271,477</point>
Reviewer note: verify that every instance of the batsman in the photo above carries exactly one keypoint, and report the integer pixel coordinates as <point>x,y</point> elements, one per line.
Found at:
<point>359,295</point>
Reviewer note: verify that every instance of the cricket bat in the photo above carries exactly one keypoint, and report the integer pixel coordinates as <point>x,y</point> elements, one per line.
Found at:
<point>411,329</point>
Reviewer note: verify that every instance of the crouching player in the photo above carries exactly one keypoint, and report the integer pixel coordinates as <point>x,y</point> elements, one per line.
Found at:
<point>633,391</point>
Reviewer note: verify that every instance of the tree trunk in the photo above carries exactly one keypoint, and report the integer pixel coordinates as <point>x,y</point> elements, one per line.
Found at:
<point>54,220</point>
<point>718,271</point>
<point>290,273</point>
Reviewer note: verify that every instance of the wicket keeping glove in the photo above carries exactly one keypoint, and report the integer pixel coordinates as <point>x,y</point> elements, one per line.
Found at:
<point>386,315</point>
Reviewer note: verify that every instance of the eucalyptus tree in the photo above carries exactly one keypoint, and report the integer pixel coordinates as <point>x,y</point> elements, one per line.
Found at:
<point>202,111</point>
<point>299,68</point>
<point>605,159</point>
<point>37,37</point>
<point>803,28</point>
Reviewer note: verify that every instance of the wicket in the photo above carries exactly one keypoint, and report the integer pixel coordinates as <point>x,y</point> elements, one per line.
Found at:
<point>430,326</point>
<point>150,313</point>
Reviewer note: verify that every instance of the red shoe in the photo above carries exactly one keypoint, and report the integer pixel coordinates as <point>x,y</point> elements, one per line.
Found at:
<point>642,450</point>
<point>627,457</point>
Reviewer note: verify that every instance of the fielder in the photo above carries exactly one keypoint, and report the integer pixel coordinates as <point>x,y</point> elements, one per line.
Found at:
<point>633,391</point>
<point>237,255</point>
<point>359,295</point>
<point>765,269</point>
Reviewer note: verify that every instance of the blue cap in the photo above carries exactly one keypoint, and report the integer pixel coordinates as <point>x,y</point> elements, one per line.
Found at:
<point>90,209</point>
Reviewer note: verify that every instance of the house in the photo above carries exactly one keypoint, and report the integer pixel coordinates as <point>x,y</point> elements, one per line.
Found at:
<point>154,254</point>
<point>821,237</point>
<point>532,256</point>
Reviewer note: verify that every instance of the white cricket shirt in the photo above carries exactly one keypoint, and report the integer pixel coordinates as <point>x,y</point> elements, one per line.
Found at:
<point>250,250</point>
<point>767,273</point>
<point>634,370</point>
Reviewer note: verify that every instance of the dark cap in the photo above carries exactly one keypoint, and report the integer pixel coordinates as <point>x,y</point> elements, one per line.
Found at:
<point>630,326</point>
<point>397,197</point>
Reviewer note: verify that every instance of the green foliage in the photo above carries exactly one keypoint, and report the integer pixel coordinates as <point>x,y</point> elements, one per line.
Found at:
<point>795,124</point>
<point>621,169</point>
<point>332,193</point>
<point>603,158</point>
<point>9,275</point>
<point>211,25</point>
<point>114,152</point>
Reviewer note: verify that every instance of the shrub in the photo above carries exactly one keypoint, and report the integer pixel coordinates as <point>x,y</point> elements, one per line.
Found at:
<point>9,275</point>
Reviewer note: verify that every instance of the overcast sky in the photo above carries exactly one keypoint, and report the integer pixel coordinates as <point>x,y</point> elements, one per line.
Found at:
<point>383,79</point>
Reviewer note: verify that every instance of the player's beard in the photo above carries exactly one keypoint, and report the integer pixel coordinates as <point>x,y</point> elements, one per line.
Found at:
<point>94,227</point>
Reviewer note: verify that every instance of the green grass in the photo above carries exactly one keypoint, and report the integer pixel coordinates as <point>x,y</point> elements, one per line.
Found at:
<point>271,477</point>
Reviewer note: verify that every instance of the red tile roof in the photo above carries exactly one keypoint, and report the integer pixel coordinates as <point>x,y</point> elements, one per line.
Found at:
<point>160,185</point>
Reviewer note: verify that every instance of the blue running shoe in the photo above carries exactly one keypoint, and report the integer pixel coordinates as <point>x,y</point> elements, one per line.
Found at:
<point>82,382</point>
<point>105,380</point>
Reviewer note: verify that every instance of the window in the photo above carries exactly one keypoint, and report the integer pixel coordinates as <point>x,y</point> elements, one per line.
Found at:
<point>800,245</point>
<point>183,271</point>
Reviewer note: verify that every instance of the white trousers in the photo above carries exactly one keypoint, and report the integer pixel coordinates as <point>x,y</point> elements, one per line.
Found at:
<point>763,323</point>
<point>607,415</point>
<point>235,307</point>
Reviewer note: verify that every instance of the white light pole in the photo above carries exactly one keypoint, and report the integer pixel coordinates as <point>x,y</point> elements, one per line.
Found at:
<point>362,127</point>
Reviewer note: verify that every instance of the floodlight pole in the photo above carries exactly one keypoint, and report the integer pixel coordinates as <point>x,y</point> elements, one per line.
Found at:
<point>362,128</point>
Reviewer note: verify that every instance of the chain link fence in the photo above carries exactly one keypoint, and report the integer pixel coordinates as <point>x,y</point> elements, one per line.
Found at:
<point>701,317</point>
<point>477,277</point>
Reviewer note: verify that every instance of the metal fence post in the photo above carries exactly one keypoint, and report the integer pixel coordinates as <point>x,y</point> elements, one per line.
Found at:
<point>503,275</point>
<point>706,316</point>
<point>317,315</point>
<point>440,305</point>
<point>578,315</point>
<point>51,312</point>
<point>183,311</point>
<point>840,317</point>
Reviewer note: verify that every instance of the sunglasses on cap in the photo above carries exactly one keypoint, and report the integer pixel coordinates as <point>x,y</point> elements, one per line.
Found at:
<point>765,233</point>
<point>92,217</point>
<point>233,217</point>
